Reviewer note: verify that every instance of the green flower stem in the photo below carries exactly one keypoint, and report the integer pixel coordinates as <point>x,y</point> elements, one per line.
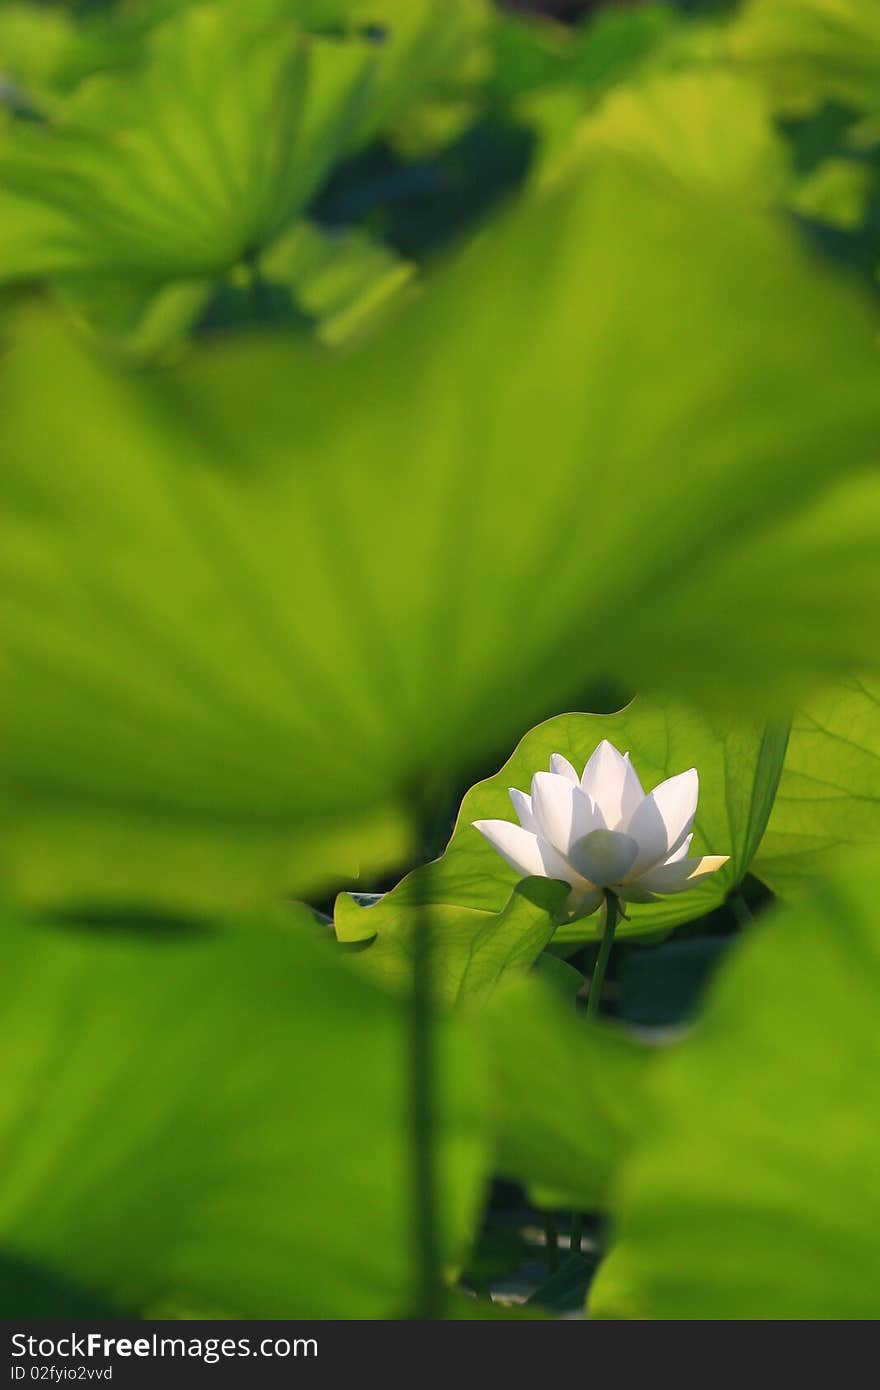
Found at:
<point>552,1237</point>
<point>596,983</point>
<point>593,998</point>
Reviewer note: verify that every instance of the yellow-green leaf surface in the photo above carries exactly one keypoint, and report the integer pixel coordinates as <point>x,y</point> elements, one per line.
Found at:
<point>191,162</point>
<point>250,604</point>
<point>431,63</point>
<point>471,955</point>
<point>465,889</point>
<point>566,1099</point>
<point>335,284</point>
<point>837,193</point>
<point>809,51</point>
<point>755,1194</point>
<point>829,794</point>
<point>33,44</point>
<point>340,281</point>
<point>710,129</point>
<point>429,60</point>
<point>217,1121</point>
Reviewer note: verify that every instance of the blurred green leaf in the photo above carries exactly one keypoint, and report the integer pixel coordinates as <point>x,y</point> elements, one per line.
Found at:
<point>835,193</point>
<point>429,60</point>
<point>340,280</point>
<point>756,1195</point>
<point>810,51</point>
<point>187,162</point>
<point>184,1123</point>
<point>253,602</point>
<point>432,64</point>
<point>556,74</point>
<point>137,320</point>
<point>710,129</point>
<point>565,979</point>
<point>829,794</point>
<point>567,1097</point>
<point>470,956</point>
<point>33,43</point>
<point>336,284</point>
<point>614,43</point>
<point>187,165</point>
<point>739,768</point>
<point>532,55</point>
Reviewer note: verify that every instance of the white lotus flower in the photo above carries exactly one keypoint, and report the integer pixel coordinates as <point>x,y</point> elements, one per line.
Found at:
<point>600,831</point>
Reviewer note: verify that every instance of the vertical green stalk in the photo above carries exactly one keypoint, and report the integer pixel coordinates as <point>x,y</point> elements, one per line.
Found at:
<point>593,999</point>
<point>423,1080</point>
<point>596,983</point>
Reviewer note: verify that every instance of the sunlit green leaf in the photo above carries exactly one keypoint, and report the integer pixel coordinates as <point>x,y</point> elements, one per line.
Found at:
<point>829,794</point>
<point>430,60</point>
<point>33,43</point>
<point>139,320</point>
<point>711,129</point>
<point>807,51</point>
<point>471,953</point>
<point>433,61</point>
<point>470,883</point>
<point>334,284</point>
<point>756,1194</point>
<point>553,75</point>
<point>217,1122</point>
<point>836,192</point>
<point>189,164</point>
<point>339,281</point>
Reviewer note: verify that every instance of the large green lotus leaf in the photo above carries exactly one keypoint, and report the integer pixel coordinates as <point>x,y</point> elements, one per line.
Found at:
<point>837,193</point>
<point>713,128</point>
<point>335,284</point>
<point>710,129</point>
<point>567,1097</point>
<point>184,1122</point>
<point>33,45</point>
<point>47,51</point>
<point>656,84</point>
<point>472,955</point>
<point>616,44</point>
<point>829,793</point>
<point>470,883</point>
<point>338,280</point>
<point>250,600</point>
<point>432,63</point>
<point>431,60</point>
<point>688,579</point>
<point>191,162</point>
<point>810,51</point>
<point>756,1195</point>
<point>434,88</point>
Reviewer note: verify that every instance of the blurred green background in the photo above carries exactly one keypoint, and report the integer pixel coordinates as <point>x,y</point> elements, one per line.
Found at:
<point>392,390</point>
